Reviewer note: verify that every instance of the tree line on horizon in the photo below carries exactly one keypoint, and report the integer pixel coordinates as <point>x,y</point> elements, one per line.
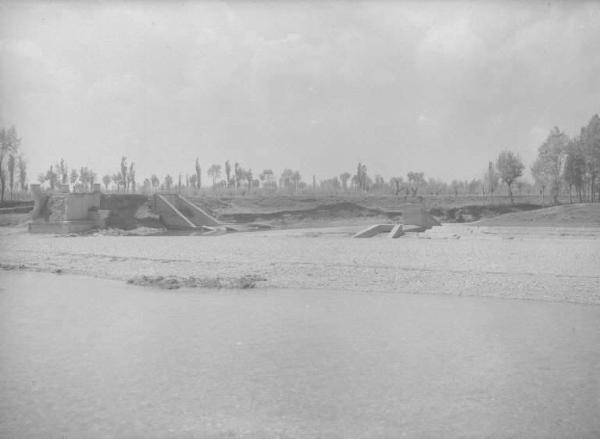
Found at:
<point>563,164</point>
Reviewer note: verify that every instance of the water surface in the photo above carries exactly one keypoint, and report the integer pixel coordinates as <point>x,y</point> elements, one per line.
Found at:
<point>83,357</point>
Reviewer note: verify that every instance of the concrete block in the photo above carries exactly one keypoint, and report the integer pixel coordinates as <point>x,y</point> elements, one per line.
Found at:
<point>374,230</point>
<point>396,232</point>
<point>417,216</point>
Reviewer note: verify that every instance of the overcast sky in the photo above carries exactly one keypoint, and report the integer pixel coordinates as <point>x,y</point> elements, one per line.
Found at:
<point>433,87</point>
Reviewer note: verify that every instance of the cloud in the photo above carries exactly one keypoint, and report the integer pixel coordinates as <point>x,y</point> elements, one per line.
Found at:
<point>321,85</point>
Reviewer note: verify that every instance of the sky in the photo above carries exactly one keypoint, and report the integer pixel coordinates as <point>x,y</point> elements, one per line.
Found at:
<point>435,87</point>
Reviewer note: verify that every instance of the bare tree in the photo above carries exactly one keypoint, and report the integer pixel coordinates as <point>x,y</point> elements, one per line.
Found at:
<point>296,178</point>
<point>344,179</point>
<point>491,178</point>
<point>227,173</point>
<point>168,182</point>
<point>74,176</point>
<point>397,183</point>
<point>131,176</point>
<point>198,175</point>
<point>238,174</point>
<point>63,172</point>
<point>416,180</point>
<point>52,177</point>
<point>249,179</point>
<point>155,182</point>
<point>124,173</point>
<point>215,172</point>
<point>286,179</point>
<point>361,176</point>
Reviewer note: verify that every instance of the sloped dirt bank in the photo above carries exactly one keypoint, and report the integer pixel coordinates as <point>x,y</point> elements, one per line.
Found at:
<point>567,215</point>
<point>345,210</point>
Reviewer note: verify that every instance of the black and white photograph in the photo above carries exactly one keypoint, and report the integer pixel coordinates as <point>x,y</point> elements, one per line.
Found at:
<point>299,219</point>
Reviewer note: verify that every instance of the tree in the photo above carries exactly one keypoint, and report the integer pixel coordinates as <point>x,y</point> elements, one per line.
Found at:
<point>285,181</point>
<point>168,182</point>
<point>590,137</point>
<point>331,184</point>
<point>296,178</point>
<point>227,173</point>
<point>63,172</point>
<point>415,181</point>
<point>361,176</point>
<point>574,172</point>
<point>344,179</point>
<point>106,180</point>
<point>198,175</point>
<point>22,165</point>
<point>52,177</point>
<point>92,176</point>
<point>131,176</point>
<point>491,179</point>
<point>474,186</point>
<point>73,176</point>
<point>396,183</point>
<point>116,178</point>
<point>155,182</point>
<point>4,152</point>
<point>541,176</point>
<point>147,187</point>
<point>124,173</point>
<point>548,166</point>
<point>455,186</point>
<point>238,174</point>
<point>215,172</point>
<point>9,146</point>
<point>11,173</point>
<point>379,183</point>
<point>249,178</point>
<point>84,178</point>
<point>510,167</point>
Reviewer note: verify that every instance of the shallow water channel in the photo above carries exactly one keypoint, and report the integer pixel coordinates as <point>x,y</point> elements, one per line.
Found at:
<point>83,357</point>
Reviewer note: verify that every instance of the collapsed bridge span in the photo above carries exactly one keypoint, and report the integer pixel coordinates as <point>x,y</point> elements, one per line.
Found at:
<point>177,212</point>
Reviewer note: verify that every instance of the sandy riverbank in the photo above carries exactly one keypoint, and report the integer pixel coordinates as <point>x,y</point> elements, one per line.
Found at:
<point>523,263</point>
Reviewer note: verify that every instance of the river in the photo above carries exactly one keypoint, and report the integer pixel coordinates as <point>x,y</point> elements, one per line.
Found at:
<point>91,358</point>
